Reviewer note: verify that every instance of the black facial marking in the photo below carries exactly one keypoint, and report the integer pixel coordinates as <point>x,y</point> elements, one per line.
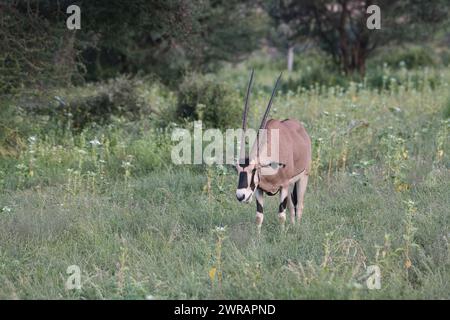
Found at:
<point>283,205</point>
<point>259,207</point>
<point>294,196</point>
<point>245,163</point>
<point>252,180</point>
<point>243,183</point>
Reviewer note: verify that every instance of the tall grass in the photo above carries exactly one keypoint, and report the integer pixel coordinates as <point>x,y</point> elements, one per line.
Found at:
<point>109,200</point>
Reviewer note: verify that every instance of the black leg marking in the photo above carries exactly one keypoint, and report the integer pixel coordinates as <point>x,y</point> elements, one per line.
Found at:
<point>259,207</point>
<point>252,180</point>
<point>294,196</point>
<point>283,205</point>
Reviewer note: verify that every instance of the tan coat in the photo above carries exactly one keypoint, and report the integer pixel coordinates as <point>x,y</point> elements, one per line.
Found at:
<point>294,151</point>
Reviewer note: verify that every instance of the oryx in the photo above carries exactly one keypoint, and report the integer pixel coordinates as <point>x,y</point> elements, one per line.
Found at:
<point>274,165</point>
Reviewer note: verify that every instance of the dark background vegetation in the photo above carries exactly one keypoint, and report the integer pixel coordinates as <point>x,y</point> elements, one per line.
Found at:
<point>170,42</point>
<point>86,175</point>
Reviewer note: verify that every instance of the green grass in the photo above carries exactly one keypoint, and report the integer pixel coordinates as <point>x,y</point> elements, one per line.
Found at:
<point>158,239</point>
<point>138,226</point>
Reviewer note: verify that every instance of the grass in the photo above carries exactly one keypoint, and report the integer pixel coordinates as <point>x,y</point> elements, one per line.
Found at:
<point>160,240</point>
<point>138,226</point>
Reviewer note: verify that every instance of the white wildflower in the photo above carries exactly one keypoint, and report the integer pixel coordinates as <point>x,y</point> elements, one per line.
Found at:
<point>95,142</point>
<point>21,166</point>
<point>6,209</point>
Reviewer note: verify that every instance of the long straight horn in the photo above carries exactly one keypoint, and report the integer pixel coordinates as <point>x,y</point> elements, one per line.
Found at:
<point>244,117</point>
<point>266,114</point>
<point>264,119</point>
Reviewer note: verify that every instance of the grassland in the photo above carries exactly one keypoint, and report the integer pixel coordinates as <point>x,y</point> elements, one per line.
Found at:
<point>109,200</point>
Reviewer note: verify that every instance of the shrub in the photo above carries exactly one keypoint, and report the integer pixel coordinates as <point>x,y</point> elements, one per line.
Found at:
<point>79,106</point>
<point>13,130</point>
<point>116,97</point>
<point>204,98</point>
<point>445,57</point>
<point>388,79</point>
<point>410,58</point>
<point>316,76</point>
<point>323,76</point>
<point>314,69</point>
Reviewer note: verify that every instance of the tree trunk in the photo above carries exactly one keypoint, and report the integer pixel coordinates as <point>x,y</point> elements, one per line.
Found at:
<point>353,59</point>
<point>290,58</point>
<point>65,58</point>
<point>361,62</point>
<point>343,41</point>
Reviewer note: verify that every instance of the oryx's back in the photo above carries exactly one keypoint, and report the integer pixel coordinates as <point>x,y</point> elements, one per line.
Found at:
<point>300,144</point>
<point>294,150</point>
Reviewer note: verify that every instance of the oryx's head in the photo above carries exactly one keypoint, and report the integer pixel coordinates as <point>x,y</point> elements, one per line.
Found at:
<point>249,167</point>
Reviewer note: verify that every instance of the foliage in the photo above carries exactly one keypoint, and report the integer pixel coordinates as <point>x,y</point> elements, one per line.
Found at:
<point>87,179</point>
<point>341,31</point>
<point>411,57</point>
<point>12,129</point>
<point>447,109</point>
<point>205,98</point>
<point>318,73</point>
<point>141,37</point>
<point>109,200</point>
<point>33,52</point>
<point>76,107</point>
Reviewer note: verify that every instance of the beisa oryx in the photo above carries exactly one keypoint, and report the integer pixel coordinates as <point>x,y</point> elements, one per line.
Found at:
<point>278,162</point>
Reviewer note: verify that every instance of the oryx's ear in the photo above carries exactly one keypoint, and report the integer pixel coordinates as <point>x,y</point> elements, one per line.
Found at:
<point>275,165</point>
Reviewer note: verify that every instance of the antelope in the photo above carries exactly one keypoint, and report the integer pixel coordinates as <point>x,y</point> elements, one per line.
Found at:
<point>280,167</point>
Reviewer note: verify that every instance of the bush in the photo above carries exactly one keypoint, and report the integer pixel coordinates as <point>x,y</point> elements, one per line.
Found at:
<point>13,130</point>
<point>204,98</point>
<point>409,58</point>
<point>316,76</point>
<point>116,97</point>
<point>322,76</point>
<point>79,106</point>
<point>444,55</point>
<point>388,79</point>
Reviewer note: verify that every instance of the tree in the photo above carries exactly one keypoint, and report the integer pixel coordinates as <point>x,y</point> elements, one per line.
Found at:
<point>162,37</point>
<point>286,33</point>
<point>34,51</point>
<point>166,37</point>
<point>340,26</point>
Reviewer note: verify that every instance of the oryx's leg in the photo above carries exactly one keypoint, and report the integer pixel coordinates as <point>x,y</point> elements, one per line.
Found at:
<point>292,202</point>
<point>284,193</point>
<point>303,182</point>
<point>259,208</point>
